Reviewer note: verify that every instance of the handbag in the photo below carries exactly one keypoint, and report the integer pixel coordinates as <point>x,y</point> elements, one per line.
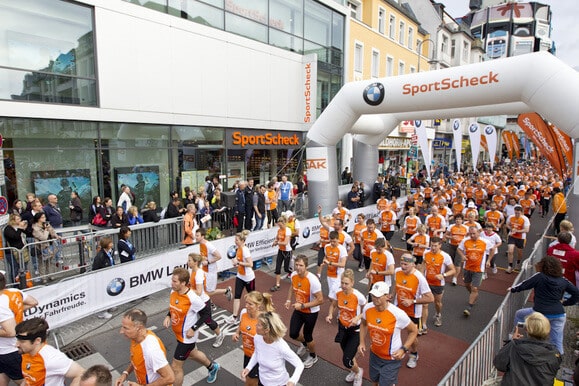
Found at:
<point>98,220</point>
<point>494,380</point>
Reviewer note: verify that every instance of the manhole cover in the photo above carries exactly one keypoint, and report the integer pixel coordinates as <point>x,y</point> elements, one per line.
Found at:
<point>78,350</point>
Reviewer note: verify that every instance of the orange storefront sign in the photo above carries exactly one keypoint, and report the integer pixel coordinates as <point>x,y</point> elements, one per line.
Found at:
<point>267,139</point>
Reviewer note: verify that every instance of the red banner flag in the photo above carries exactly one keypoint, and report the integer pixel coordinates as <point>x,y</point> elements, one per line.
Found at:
<point>538,131</point>
<point>516,144</point>
<point>483,142</point>
<point>565,145</point>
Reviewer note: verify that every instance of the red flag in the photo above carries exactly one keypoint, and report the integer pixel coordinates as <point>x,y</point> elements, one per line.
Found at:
<point>484,143</point>
<point>516,144</point>
<point>507,142</point>
<point>565,144</point>
<point>538,131</point>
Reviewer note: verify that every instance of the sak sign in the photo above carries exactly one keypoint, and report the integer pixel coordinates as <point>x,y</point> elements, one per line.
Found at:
<point>260,139</point>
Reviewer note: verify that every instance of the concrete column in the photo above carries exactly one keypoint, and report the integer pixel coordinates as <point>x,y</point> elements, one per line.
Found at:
<point>365,165</point>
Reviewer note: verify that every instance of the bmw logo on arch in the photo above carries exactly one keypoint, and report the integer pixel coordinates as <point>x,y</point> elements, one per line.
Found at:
<point>116,286</point>
<point>306,233</point>
<point>456,125</point>
<point>489,130</point>
<point>374,94</point>
<point>231,251</point>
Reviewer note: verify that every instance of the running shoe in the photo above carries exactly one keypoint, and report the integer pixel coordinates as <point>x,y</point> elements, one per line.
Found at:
<point>509,270</point>
<point>412,361</point>
<point>104,315</point>
<point>232,320</point>
<point>301,350</point>
<point>438,320</point>
<point>351,376</point>
<point>495,270</point>
<point>454,281</point>
<point>310,361</point>
<point>466,312</point>
<point>212,377</point>
<point>359,377</point>
<point>219,340</point>
<point>360,269</point>
<point>228,294</point>
<point>213,307</point>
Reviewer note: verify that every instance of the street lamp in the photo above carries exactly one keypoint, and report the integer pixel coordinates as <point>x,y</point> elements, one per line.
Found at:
<point>419,50</point>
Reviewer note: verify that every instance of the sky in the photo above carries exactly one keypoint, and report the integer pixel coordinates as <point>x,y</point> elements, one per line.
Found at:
<point>563,20</point>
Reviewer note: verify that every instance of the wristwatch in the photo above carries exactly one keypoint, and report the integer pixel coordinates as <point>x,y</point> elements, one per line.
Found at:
<point>405,349</point>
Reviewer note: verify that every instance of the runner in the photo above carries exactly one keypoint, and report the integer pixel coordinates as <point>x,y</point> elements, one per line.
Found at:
<point>412,291</point>
<point>473,249</point>
<point>357,236</point>
<point>335,260</point>
<point>438,266</point>
<point>381,267</point>
<point>493,243</point>
<point>184,311</point>
<point>245,278</point>
<point>308,295</point>
<point>518,225</point>
<point>284,252</point>
<point>348,301</point>
<point>454,236</point>
<point>368,239</point>
<point>255,303</point>
<point>383,322</point>
<point>42,364</point>
<point>210,258</point>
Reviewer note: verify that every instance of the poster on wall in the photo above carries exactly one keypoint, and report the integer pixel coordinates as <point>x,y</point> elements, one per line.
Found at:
<point>143,181</point>
<point>193,179</point>
<point>63,183</point>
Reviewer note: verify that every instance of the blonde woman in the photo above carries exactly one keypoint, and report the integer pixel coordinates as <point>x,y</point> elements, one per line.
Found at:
<point>284,253</point>
<point>134,216</point>
<point>255,302</point>
<point>271,353</point>
<point>245,278</point>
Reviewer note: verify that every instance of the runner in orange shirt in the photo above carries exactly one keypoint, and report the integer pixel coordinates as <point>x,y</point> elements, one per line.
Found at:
<point>419,242</point>
<point>369,237</point>
<point>454,236</point>
<point>42,364</point>
<point>438,266</point>
<point>383,322</point>
<point>357,237</point>
<point>382,266</point>
<point>411,222</point>
<point>518,225</point>
<point>284,252</point>
<point>335,261</point>
<point>255,303</point>
<point>473,251</point>
<point>495,217</point>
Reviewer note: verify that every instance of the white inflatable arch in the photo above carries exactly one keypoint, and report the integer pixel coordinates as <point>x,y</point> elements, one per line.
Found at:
<point>371,109</point>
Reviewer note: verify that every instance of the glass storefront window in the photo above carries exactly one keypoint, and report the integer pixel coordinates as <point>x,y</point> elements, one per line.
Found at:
<point>255,10</point>
<point>197,12</point>
<point>287,16</point>
<point>338,22</point>
<point>317,26</point>
<point>48,52</point>
<point>244,27</point>
<point>285,41</point>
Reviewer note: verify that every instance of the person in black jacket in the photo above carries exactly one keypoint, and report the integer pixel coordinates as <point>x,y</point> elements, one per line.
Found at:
<point>120,218</point>
<point>174,208</point>
<point>75,209</point>
<point>104,259</point>
<point>240,205</point>
<point>550,286</point>
<point>125,248</point>
<point>150,212</point>
<point>13,238</point>
<point>529,360</point>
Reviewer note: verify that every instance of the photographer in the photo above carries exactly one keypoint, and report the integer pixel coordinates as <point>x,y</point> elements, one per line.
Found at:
<point>529,360</point>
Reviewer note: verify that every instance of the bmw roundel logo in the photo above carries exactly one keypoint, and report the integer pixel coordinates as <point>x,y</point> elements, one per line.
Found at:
<point>231,252</point>
<point>374,94</point>
<point>456,125</point>
<point>417,123</point>
<point>489,130</point>
<point>473,128</point>
<point>306,233</point>
<point>116,286</point>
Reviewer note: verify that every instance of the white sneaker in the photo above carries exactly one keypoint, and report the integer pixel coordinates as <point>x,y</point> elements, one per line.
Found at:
<point>361,269</point>
<point>104,315</point>
<point>228,294</point>
<point>495,270</point>
<point>454,282</point>
<point>351,376</point>
<point>412,361</point>
<point>231,320</point>
<point>219,340</point>
<point>310,361</point>
<point>301,350</point>
<point>509,270</point>
<point>484,275</point>
<point>359,377</point>
<point>438,320</point>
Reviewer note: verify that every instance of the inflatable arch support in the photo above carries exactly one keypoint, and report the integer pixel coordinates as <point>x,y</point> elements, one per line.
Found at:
<point>371,109</point>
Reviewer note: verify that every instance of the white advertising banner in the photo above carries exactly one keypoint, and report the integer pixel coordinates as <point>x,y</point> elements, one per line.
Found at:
<point>490,134</point>
<point>457,136</point>
<point>317,163</point>
<point>474,136</point>
<point>423,143</point>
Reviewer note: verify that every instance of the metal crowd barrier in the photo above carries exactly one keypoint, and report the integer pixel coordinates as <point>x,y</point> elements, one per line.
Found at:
<point>44,262</point>
<point>476,363</point>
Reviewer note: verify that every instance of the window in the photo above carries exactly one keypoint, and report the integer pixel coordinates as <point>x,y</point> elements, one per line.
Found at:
<point>392,27</point>
<point>358,57</point>
<point>410,38</point>
<point>412,69</point>
<point>401,33</point>
<point>465,51</point>
<point>444,47</point>
<point>452,48</point>
<point>401,68</point>
<point>355,10</point>
<point>47,53</point>
<point>381,20</point>
<point>389,66</point>
<point>375,63</point>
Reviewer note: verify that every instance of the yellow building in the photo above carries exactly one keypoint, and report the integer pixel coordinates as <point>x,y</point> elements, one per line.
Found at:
<point>383,40</point>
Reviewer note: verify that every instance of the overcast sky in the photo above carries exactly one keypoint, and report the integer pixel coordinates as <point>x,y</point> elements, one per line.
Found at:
<point>563,23</point>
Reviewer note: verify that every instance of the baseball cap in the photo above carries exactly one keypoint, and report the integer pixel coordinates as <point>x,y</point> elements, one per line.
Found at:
<point>408,259</point>
<point>471,205</point>
<point>380,289</point>
<point>289,213</point>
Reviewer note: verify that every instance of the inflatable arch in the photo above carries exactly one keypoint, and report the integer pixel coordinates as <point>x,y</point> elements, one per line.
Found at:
<point>371,109</point>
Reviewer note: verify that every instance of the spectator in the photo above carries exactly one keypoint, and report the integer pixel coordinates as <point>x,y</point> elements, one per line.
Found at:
<point>30,197</point>
<point>13,238</point>
<point>133,216</point>
<point>94,208</point>
<point>189,225</point>
<point>190,198</point>
<point>103,259</point>
<point>205,214</point>
<point>559,207</point>
<point>259,207</point>
<point>249,193</point>
<point>174,208</point>
<point>17,207</point>
<point>124,246</point>
<point>52,211</point>
<point>150,212</point>
<point>568,256</point>
<point>529,360</point>
<point>120,218</point>
<point>353,198</point>
<point>125,198</point>
<point>549,285</point>
<point>107,211</point>
<point>361,195</point>
<point>377,189</point>
<point>75,209</point>
<point>567,226</point>
<point>285,194</point>
<point>239,209</point>
<point>271,198</point>
<point>43,231</point>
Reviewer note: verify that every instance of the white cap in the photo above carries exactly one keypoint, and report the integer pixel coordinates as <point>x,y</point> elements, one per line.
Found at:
<point>471,205</point>
<point>288,214</point>
<point>380,289</point>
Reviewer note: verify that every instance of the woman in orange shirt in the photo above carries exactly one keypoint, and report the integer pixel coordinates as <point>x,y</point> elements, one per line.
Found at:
<point>357,236</point>
<point>255,303</point>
